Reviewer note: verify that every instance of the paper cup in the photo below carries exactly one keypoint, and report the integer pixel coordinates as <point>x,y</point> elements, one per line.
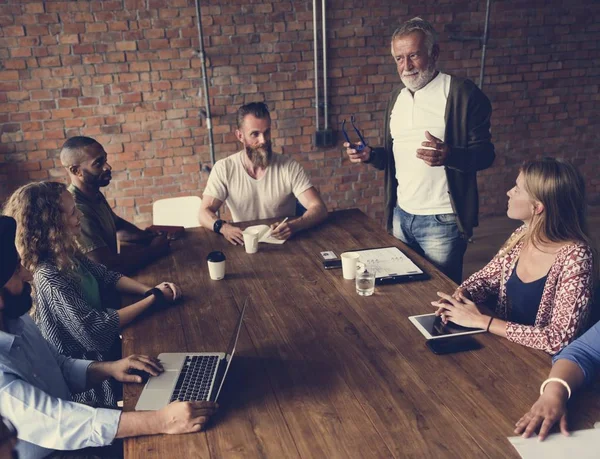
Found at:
<point>349,261</point>
<point>216,265</point>
<point>251,241</point>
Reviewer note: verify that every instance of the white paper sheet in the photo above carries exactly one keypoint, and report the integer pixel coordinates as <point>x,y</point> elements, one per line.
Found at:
<point>582,444</point>
<point>388,261</point>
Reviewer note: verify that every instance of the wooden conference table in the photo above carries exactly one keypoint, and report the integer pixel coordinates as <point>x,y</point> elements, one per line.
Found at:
<point>321,372</point>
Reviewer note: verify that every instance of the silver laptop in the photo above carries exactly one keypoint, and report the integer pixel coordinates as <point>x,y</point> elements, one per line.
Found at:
<point>189,376</point>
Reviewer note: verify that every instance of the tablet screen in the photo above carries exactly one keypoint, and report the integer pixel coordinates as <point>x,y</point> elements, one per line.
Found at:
<point>432,327</point>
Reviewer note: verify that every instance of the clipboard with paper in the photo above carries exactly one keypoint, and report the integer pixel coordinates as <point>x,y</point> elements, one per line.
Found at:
<point>391,265</point>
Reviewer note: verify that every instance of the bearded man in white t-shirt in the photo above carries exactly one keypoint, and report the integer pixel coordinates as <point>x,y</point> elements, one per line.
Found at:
<point>437,136</point>
<point>258,184</point>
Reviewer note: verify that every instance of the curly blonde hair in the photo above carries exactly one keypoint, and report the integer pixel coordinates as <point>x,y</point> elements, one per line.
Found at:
<point>42,233</point>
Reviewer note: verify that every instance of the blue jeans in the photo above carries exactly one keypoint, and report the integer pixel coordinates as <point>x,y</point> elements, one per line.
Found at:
<point>436,237</point>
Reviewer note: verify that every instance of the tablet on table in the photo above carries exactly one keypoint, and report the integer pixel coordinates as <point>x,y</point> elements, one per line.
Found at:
<point>432,327</point>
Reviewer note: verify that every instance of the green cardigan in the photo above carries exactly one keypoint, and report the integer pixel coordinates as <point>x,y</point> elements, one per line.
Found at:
<point>468,137</point>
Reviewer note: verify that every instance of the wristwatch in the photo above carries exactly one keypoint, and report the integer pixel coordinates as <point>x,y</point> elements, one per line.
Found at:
<point>218,225</point>
<point>159,297</point>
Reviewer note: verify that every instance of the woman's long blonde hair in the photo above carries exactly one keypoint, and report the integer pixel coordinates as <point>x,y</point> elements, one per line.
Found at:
<point>42,233</point>
<point>560,188</point>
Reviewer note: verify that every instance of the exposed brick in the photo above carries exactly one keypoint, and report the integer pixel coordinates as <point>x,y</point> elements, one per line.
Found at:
<point>126,46</point>
<point>83,49</point>
<point>13,31</point>
<point>125,72</point>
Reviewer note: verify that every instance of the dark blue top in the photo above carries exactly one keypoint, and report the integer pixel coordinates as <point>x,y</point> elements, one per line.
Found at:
<point>524,298</point>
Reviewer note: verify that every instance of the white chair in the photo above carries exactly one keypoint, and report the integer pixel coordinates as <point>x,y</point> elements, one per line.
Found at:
<point>182,211</point>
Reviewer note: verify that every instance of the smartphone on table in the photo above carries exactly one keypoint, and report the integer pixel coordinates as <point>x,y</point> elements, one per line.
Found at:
<point>332,264</point>
<point>452,345</point>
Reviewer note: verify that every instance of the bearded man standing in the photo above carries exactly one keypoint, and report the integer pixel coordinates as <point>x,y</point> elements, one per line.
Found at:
<point>257,184</point>
<point>437,136</point>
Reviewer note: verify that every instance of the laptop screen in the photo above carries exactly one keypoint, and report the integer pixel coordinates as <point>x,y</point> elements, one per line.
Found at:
<point>232,344</point>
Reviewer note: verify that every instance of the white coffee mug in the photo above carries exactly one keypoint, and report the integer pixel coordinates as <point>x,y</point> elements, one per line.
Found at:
<point>349,261</point>
<point>251,240</point>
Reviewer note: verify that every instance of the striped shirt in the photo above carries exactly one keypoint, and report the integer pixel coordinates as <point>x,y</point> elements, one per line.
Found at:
<point>74,326</point>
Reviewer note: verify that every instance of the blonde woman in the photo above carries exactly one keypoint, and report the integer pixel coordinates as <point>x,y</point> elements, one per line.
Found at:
<point>69,287</point>
<point>541,281</point>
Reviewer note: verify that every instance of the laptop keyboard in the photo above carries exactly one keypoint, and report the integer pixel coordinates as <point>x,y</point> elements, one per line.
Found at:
<point>195,378</point>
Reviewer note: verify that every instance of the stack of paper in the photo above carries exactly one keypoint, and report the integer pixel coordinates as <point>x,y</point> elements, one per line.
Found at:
<point>582,444</point>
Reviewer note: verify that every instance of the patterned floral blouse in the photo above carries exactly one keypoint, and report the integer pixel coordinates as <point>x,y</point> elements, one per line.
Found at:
<point>566,299</point>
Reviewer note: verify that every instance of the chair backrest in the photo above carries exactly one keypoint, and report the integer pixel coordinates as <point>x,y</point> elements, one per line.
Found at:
<point>181,211</point>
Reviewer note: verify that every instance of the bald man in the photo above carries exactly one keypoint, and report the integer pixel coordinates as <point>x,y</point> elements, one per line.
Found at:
<point>87,165</point>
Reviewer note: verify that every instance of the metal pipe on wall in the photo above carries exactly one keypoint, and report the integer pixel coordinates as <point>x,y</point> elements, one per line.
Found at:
<point>484,43</point>
<point>482,39</point>
<point>316,66</point>
<point>206,112</point>
<point>324,40</point>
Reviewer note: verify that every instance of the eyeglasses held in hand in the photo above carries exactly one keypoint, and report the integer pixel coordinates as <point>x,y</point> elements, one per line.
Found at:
<point>363,142</point>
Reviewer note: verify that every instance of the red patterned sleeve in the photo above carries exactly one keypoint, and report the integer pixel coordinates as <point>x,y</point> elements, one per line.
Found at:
<point>569,306</point>
<point>485,283</point>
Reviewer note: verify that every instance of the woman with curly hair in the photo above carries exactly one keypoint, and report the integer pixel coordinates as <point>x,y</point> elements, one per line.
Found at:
<point>69,287</point>
<point>541,281</point>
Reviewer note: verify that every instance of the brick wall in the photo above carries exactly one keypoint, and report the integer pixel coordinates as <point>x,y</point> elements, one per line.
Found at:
<point>125,72</point>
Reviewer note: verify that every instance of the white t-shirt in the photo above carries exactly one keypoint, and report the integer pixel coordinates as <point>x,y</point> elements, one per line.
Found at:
<point>422,189</point>
<point>273,195</point>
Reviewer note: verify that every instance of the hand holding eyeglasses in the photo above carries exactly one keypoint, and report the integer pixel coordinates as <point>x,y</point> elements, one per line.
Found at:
<point>357,152</point>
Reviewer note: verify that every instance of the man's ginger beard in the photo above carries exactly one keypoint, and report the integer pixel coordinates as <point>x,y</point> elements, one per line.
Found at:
<point>260,156</point>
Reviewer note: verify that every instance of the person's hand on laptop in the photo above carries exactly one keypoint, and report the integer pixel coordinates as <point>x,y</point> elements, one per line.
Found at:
<point>185,417</point>
<point>126,370</point>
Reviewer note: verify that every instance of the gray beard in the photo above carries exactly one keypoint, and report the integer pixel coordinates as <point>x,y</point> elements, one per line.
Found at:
<point>423,79</point>
<point>260,157</point>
